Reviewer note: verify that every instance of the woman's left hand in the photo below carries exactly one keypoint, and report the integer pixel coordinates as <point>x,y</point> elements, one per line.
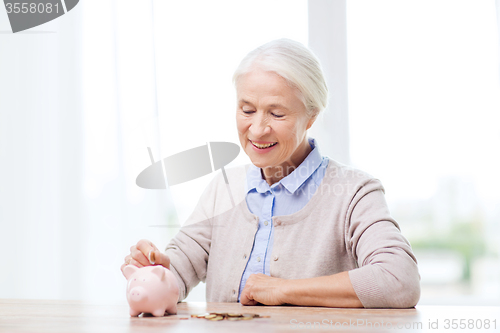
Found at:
<point>264,289</point>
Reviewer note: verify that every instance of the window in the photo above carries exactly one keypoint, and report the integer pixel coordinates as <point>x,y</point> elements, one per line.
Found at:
<point>424,119</point>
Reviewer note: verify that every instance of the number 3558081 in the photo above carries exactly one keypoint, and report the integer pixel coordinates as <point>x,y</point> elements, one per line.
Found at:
<point>32,8</point>
<point>469,324</point>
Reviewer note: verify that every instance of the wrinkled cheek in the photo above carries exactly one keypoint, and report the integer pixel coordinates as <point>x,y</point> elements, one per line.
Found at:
<point>240,125</point>
<point>241,134</point>
<point>242,128</point>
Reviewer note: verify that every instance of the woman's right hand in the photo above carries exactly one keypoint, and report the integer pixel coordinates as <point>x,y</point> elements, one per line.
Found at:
<point>139,255</point>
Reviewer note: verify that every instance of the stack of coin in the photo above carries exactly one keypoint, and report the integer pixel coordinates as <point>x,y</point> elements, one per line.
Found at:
<point>215,316</point>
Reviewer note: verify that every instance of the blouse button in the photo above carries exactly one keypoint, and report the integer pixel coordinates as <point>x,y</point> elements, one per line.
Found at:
<point>265,222</point>
<point>258,259</point>
<point>244,256</point>
<point>275,258</point>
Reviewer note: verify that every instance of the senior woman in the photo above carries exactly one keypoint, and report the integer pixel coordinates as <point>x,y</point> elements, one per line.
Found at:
<point>308,230</point>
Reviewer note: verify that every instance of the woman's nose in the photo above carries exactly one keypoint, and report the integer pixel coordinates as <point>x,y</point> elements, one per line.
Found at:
<point>259,127</point>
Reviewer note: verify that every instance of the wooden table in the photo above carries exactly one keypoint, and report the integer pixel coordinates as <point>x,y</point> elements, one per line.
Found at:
<point>78,316</point>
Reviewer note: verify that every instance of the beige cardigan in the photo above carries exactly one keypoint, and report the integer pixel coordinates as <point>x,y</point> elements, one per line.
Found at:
<point>346,226</point>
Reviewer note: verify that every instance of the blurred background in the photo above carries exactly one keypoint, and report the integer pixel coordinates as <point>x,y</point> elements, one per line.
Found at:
<point>414,100</point>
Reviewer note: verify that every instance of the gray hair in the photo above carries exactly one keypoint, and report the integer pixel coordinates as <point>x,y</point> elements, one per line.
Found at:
<point>296,64</point>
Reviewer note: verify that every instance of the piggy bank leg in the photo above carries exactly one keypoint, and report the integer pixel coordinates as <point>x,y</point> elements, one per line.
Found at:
<point>172,309</point>
<point>134,313</point>
<point>158,313</point>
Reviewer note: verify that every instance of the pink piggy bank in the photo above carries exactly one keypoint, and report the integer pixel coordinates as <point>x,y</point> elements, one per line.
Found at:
<point>151,289</point>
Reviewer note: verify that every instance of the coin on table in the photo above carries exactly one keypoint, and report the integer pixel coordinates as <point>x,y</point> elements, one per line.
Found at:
<point>235,318</point>
<point>235,315</point>
<point>202,315</point>
<point>216,318</point>
<point>210,316</point>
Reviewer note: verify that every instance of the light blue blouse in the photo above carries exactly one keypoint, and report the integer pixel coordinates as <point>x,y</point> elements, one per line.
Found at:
<point>285,197</point>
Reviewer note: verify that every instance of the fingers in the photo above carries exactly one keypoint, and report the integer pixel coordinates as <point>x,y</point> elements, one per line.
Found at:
<point>251,303</point>
<point>143,251</point>
<point>246,297</point>
<point>159,258</point>
<point>125,264</point>
<point>129,260</point>
<point>146,247</point>
<point>162,259</point>
<point>137,257</point>
<point>245,300</point>
<point>140,254</point>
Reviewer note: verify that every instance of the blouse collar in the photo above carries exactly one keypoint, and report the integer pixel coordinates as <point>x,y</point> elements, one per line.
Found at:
<point>291,182</point>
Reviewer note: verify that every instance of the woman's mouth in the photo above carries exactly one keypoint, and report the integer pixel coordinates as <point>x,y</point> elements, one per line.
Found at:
<point>263,145</point>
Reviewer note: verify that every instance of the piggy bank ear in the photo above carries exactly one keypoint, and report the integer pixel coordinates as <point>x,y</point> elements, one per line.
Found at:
<point>159,270</point>
<point>129,270</point>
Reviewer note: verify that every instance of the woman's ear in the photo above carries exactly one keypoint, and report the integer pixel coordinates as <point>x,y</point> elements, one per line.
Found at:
<point>312,120</point>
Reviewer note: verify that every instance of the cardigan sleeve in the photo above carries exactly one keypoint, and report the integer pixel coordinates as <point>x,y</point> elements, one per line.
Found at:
<point>387,274</point>
<point>189,249</point>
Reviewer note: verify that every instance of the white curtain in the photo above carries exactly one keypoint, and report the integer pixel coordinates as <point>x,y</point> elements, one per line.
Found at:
<point>497,3</point>
<point>81,99</point>
<point>328,40</point>
<point>77,112</point>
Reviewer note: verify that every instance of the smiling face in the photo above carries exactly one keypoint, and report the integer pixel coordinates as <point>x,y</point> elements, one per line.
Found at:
<point>272,122</point>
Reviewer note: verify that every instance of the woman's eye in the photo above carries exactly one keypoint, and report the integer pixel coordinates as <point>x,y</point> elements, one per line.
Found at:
<point>277,115</point>
<point>248,111</point>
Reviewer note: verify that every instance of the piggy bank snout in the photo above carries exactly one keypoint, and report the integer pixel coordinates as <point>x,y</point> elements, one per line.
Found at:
<point>138,294</point>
